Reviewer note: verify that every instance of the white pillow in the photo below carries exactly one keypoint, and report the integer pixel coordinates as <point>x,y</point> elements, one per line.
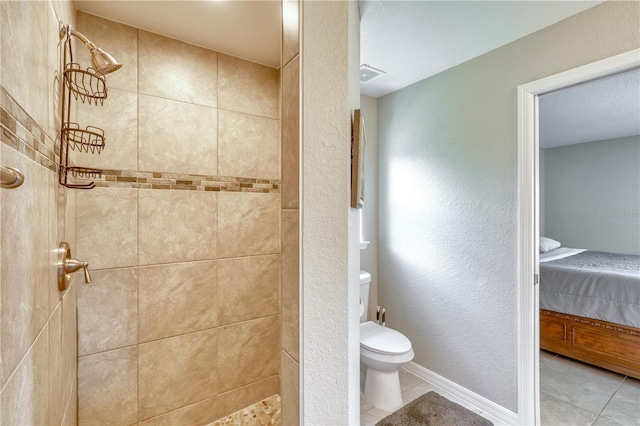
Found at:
<point>547,244</point>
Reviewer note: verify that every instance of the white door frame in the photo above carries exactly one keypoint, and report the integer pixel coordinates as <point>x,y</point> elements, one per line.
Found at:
<point>528,319</point>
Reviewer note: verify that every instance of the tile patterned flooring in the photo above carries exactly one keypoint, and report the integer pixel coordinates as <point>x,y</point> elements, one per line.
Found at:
<point>572,394</point>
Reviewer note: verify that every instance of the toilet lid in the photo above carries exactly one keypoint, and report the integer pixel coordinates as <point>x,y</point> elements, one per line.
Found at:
<point>383,340</point>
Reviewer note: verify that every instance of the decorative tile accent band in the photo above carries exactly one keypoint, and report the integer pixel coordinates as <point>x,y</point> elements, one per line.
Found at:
<point>182,181</point>
<point>21,132</point>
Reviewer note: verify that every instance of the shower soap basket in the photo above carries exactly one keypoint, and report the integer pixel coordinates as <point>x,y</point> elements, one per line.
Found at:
<point>89,86</point>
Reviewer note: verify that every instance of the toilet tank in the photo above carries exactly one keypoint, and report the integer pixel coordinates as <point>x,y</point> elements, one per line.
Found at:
<point>365,283</point>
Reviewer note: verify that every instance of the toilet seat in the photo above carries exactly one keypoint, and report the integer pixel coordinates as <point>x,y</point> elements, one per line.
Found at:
<point>383,340</point>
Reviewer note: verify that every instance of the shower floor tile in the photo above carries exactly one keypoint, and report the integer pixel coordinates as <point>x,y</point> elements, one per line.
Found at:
<point>265,412</point>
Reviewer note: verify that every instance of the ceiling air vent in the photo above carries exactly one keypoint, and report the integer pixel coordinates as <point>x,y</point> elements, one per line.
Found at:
<point>368,73</point>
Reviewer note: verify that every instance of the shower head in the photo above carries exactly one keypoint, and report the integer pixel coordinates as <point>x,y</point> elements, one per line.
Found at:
<point>100,60</point>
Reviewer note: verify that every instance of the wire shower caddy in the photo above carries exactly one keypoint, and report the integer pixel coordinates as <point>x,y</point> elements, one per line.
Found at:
<point>88,86</point>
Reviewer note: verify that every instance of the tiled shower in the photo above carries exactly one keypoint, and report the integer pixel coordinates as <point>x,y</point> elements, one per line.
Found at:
<point>191,233</point>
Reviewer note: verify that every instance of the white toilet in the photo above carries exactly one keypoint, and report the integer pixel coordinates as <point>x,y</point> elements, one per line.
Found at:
<point>383,351</point>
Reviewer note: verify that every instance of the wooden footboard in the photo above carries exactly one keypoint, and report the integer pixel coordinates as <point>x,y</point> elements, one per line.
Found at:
<point>604,344</point>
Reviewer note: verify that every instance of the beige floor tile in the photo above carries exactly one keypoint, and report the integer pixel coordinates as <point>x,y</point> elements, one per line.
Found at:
<point>545,357</point>
<point>557,412</point>
<point>602,421</point>
<point>372,416</point>
<point>408,380</point>
<point>624,407</point>
<point>583,386</point>
<point>364,405</point>
<point>417,391</point>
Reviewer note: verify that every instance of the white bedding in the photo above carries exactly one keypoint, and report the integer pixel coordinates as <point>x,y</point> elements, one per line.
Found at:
<point>559,253</point>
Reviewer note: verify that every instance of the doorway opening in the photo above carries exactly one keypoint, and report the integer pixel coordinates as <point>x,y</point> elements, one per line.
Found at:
<point>529,225</point>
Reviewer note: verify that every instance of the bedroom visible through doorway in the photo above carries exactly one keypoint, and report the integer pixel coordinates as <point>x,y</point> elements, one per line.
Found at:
<point>589,228</point>
<point>529,226</point>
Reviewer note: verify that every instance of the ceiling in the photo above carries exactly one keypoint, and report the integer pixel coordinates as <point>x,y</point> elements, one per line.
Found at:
<point>245,29</point>
<point>602,109</point>
<point>413,40</point>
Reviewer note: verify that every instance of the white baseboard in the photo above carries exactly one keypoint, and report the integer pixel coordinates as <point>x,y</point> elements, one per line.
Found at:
<point>463,396</point>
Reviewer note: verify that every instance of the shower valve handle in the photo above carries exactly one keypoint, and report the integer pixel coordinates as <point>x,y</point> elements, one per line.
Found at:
<point>72,265</point>
<point>68,265</point>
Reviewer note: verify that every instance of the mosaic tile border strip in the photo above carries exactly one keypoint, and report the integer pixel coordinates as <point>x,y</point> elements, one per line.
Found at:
<point>182,181</point>
<point>19,131</point>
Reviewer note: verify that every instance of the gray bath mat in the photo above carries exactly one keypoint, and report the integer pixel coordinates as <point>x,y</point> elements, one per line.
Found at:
<point>435,410</point>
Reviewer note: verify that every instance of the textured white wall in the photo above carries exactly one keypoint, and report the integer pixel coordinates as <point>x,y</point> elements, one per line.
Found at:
<point>448,196</point>
<point>593,195</point>
<point>369,257</point>
<point>330,251</point>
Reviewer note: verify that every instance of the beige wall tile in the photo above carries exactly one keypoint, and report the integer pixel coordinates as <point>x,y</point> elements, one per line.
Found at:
<point>57,389</point>
<point>69,343</point>
<point>71,412</point>
<point>248,224</point>
<point>54,44</point>
<point>25,36</point>
<point>290,374</point>
<point>55,214</point>
<point>107,388</point>
<point>175,70</point>
<point>201,413</point>
<point>290,286</point>
<point>248,146</point>
<point>290,30</point>
<point>290,135</point>
<point>25,398</point>
<point>24,225</point>
<point>176,137</point>
<point>108,311</point>
<point>244,86</point>
<point>248,287</point>
<point>107,220</point>
<point>190,216</point>
<point>65,11</point>
<point>242,397</point>
<point>118,117</point>
<point>177,299</point>
<point>248,352</point>
<point>120,41</point>
<point>177,371</point>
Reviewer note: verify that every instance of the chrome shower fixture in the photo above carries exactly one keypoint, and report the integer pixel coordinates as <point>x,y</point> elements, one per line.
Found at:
<point>100,60</point>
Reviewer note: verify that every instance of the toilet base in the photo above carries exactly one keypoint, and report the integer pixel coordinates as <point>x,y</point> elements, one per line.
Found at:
<point>382,389</point>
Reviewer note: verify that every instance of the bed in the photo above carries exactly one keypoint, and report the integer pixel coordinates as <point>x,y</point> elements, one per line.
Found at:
<point>590,307</point>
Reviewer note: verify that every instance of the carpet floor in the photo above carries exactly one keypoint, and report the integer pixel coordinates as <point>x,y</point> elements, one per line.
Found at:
<point>435,410</point>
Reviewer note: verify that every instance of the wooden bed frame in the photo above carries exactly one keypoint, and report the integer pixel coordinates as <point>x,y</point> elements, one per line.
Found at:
<point>604,344</point>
